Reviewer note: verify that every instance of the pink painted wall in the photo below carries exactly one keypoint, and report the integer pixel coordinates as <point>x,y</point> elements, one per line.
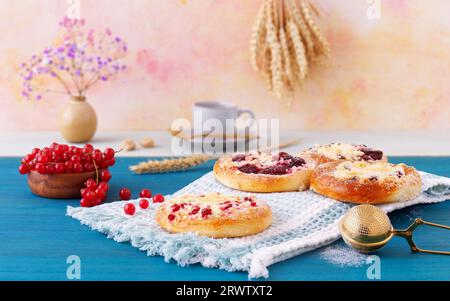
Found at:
<point>391,73</point>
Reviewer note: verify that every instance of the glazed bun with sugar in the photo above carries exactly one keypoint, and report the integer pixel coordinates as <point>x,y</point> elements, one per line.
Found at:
<point>366,182</point>
<point>263,172</point>
<point>320,154</point>
<point>214,215</point>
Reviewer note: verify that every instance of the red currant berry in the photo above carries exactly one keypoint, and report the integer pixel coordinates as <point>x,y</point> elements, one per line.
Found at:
<point>76,159</point>
<point>60,168</point>
<point>104,164</point>
<point>125,194</point>
<point>46,151</point>
<point>195,210</point>
<point>90,195</point>
<point>85,203</point>
<point>109,153</point>
<point>175,207</point>
<point>42,158</point>
<point>35,151</point>
<point>87,158</point>
<point>91,184</point>
<point>88,148</point>
<point>103,186</point>
<point>57,158</point>
<point>145,193</point>
<point>24,169</point>
<point>129,208</point>
<point>67,156</point>
<point>97,201</point>
<point>69,166</point>
<point>98,156</point>
<point>101,194</point>
<point>49,169</point>
<point>158,198</point>
<point>171,217</point>
<point>88,167</point>
<point>40,168</point>
<point>106,175</point>
<point>59,149</point>
<point>112,161</point>
<point>77,168</point>
<point>83,192</point>
<point>206,212</point>
<point>28,158</point>
<point>143,203</point>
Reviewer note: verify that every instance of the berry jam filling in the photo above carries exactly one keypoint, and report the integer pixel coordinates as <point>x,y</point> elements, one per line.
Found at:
<point>238,158</point>
<point>297,162</point>
<point>275,170</point>
<point>249,168</point>
<point>281,167</point>
<point>371,154</point>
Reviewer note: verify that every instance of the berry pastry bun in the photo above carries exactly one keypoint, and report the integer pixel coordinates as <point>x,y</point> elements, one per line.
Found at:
<point>366,182</point>
<point>341,151</point>
<point>263,172</point>
<point>214,215</point>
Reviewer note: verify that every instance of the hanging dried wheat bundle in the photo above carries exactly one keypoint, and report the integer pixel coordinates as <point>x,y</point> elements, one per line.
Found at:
<point>169,165</point>
<point>285,42</point>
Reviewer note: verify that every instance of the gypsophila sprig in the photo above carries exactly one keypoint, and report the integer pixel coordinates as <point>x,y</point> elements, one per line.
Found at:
<point>72,66</point>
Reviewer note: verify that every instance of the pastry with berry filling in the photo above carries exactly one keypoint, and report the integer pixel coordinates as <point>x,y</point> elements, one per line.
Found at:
<point>342,151</point>
<point>263,172</point>
<point>214,215</point>
<point>366,182</point>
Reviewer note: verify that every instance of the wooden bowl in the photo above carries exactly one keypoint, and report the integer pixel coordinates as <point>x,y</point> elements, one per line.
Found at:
<point>59,186</point>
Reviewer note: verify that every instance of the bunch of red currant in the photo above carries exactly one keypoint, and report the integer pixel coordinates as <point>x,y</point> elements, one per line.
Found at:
<point>145,195</point>
<point>94,192</point>
<point>62,158</point>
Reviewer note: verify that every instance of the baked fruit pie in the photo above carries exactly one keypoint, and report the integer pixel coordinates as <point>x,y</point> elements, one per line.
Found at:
<point>369,182</point>
<point>342,151</point>
<point>214,215</point>
<point>263,172</point>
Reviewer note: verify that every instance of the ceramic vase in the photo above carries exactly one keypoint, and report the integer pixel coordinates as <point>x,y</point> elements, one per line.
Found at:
<point>78,120</point>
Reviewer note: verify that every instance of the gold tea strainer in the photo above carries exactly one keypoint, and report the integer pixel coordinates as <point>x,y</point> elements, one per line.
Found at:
<point>367,228</point>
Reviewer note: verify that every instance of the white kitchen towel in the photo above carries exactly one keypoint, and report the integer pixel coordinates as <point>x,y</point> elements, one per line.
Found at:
<point>302,221</point>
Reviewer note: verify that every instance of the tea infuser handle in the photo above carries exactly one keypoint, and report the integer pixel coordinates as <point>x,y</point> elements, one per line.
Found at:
<point>408,235</point>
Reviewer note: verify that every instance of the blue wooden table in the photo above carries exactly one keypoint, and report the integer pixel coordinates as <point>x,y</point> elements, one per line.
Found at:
<point>36,237</point>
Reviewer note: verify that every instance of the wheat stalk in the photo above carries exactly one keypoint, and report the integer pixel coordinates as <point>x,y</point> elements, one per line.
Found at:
<point>321,42</point>
<point>169,165</point>
<point>275,50</point>
<point>303,29</point>
<point>299,52</point>
<point>285,42</point>
<point>258,38</point>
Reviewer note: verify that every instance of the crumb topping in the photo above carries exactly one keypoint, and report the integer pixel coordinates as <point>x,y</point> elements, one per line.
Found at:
<point>210,206</point>
<point>343,151</point>
<point>374,171</point>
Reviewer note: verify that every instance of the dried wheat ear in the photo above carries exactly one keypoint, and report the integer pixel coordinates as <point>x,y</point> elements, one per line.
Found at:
<point>285,42</point>
<point>169,165</point>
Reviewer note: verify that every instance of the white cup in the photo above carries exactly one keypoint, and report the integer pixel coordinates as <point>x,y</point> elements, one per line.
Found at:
<point>208,116</point>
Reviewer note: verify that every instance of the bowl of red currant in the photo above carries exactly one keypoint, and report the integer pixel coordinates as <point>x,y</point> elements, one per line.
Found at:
<point>61,171</point>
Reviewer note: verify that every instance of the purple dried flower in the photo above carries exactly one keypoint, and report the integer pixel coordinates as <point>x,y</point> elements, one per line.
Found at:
<point>76,56</point>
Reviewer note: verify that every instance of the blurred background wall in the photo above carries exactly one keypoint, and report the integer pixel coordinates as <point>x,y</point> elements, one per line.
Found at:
<point>387,73</point>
